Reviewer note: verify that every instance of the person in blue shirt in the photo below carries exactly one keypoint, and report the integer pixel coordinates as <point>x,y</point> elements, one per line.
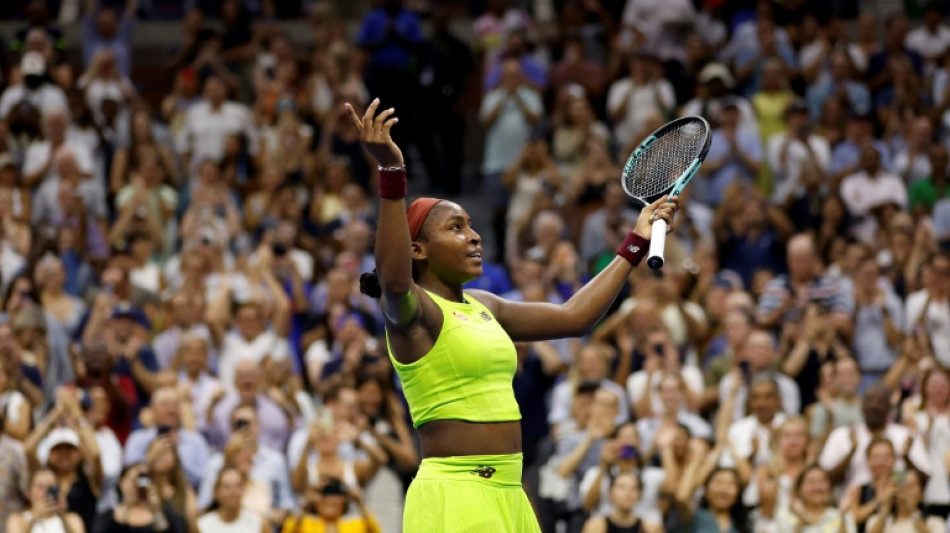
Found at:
<point>734,156</point>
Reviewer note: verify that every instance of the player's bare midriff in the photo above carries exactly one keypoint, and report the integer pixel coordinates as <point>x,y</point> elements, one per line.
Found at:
<point>447,438</point>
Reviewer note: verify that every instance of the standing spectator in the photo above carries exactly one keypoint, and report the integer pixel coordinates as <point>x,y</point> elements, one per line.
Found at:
<point>392,36</point>
<point>813,510</point>
<point>716,84</point>
<point>929,309</point>
<point>15,480</point>
<point>168,478</point>
<point>932,39</point>
<point>191,446</point>
<point>592,366</point>
<point>509,113</point>
<point>633,99</point>
<point>248,389</point>
<point>749,61</point>
<point>901,511</point>
<point>841,84</point>
<point>105,28</point>
<point>913,162</point>
<point>625,492</point>
<point>790,152</point>
<point>734,156</point>
<point>227,511</point>
<point>879,73</point>
<point>878,320</point>
<point>328,504</point>
<point>140,508</point>
<point>658,26</point>
<point>843,408</point>
<point>843,454</point>
<point>35,88</point>
<point>815,344</point>
<point>492,28</point>
<point>772,98</point>
<point>932,420</point>
<point>925,193</point>
<point>208,124</point>
<point>864,500</point>
<point>759,352</point>
<point>446,66</point>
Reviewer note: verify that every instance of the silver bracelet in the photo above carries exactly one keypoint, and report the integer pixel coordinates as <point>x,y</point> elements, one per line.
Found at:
<point>391,169</point>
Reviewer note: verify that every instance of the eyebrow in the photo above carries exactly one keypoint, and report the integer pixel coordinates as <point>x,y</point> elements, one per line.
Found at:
<point>456,218</point>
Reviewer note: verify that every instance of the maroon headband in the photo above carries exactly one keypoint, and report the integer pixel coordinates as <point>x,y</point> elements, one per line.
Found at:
<point>418,211</point>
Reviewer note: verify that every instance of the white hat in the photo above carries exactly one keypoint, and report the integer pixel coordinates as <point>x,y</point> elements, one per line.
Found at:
<point>55,438</point>
<point>716,70</point>
<point>33,63</point>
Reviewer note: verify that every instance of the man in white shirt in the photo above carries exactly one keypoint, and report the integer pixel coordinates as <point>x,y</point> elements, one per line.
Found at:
<point>844,454</point>
<point>717,82</point>
<point>631,101</point>
<point>758,353</point>
<point>932,39</point>
<point>661,26</point>
<point>36,88</point>
<point>38,161</point>
<point>790,151</point>
<point>209,123</point>
<point>868,189</point>
<point>662,358</point>
<point>249,340</point>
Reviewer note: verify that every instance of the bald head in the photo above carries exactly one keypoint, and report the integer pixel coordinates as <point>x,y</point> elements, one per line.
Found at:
<point>801,257</point>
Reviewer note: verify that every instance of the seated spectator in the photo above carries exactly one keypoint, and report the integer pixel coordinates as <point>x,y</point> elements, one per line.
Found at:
<point>843,455</point>
<point>268,492</point>
<point>227,511</point>
<point>140,508</point>
<point>191,446</point>
<point>248,389</point>
<point>625,491</point>
<point>327,505</point>
<point>760,357</point>
<point>901,510</point>
<point>44,511</point>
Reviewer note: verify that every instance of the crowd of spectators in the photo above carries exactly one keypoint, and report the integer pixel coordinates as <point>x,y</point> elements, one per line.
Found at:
<point>184,346</point>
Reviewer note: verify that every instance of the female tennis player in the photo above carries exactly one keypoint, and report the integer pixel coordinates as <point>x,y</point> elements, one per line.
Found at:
<point>454,350</point>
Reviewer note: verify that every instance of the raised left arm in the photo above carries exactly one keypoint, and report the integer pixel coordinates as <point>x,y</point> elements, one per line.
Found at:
<point>527,322</point>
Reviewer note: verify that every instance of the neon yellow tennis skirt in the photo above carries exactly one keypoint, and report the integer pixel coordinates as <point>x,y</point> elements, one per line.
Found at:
<point>469,494</point>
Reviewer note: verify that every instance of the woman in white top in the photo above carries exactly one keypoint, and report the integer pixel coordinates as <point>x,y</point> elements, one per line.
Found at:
<point>933,423</point>
<point>226,514</point>
<point>789,457</point>
<point>47,514</point>
<point>14,407</point>
<point>320,459</point>
<point>901,512</point>
<point>812,510</point>
<point>50,279</point>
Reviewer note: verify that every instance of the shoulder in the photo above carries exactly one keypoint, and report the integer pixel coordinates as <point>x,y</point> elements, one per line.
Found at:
<point>493,302</point>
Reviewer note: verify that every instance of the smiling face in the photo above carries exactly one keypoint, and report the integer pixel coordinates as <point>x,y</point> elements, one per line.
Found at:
<point>449,245</point>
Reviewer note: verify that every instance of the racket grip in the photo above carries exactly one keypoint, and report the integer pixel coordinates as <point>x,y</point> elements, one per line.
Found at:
<point>657,244</point>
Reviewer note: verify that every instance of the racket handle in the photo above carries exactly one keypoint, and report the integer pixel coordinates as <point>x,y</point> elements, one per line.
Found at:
<point>657,244</point>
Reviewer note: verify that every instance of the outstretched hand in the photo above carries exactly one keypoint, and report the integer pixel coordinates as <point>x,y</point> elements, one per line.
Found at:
<point>664,208</point>
<point>375,134</point>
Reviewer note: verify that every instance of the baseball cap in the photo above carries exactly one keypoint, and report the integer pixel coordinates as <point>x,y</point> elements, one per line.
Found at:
<point>33,63</point>
<point>127,310</point>
<point>57,437</point>
<point>796,106</point>
<point>716,70</point>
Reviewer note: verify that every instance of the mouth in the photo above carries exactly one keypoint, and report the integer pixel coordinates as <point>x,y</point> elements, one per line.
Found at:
<point>475,255</point>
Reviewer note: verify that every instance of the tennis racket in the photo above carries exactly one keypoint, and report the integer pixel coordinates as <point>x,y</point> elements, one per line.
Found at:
<point>664,163</point>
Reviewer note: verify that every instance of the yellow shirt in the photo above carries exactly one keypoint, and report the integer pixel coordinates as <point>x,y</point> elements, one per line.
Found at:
<point>314,524</point>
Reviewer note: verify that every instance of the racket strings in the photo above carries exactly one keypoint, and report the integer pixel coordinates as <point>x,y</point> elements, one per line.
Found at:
<point>661,164</point>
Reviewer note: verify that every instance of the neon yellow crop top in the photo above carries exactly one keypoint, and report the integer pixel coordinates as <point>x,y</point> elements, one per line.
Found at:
<point>467,375</point>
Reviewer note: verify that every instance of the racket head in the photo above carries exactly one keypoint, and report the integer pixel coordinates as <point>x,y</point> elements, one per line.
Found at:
<point>666,161</point>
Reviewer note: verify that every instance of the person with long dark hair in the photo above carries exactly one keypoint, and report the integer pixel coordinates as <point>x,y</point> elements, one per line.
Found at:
<point>454,351</point>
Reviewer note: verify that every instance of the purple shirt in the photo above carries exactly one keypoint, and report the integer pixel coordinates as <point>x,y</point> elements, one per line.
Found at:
<point>275,429</point>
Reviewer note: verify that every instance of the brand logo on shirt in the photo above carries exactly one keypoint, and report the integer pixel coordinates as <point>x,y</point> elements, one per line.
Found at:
<point>484,472</point>
<point>460,316</point>
<point>485,316</point>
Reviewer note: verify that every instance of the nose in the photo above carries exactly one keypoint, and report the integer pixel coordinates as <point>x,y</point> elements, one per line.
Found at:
<point>474,237</point>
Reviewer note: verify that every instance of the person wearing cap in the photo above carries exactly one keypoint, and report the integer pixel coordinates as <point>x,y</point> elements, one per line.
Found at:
<point>327,504</point>
<point>789,152</point>
<point>715,84</point>
<point>65,443</point>
<point>35,88</point>
<point>454,350</point>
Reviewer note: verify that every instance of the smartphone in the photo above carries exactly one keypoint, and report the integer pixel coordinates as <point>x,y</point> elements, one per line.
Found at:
<point>628,452</point>
<point>52,493</point>
<point>241,424</point>
<point>164,430</point>
<point>744,369</point>
<point>658,349</point>
<point>142,483</point>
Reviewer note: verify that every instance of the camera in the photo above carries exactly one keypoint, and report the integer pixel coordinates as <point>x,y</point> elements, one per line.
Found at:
<point>164,430</point>
<point>279,250</point>
<point>142,483</point>
<point>628,452</point>
<point>241,424</point>
<point>52,493</point>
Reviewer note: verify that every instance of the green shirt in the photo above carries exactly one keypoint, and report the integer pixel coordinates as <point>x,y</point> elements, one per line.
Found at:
<point>924,193</point>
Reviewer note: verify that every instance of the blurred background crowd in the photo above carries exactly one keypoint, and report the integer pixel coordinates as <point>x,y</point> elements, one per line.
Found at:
<point>183,343</point>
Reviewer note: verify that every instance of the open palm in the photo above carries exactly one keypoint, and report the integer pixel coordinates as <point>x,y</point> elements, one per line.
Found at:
<point>375,134</point>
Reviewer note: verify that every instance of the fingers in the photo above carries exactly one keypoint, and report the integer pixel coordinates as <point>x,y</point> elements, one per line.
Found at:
<point>381,119</point>
<point>388,125</point>
<point>368,115</point>
<point>354,118</point>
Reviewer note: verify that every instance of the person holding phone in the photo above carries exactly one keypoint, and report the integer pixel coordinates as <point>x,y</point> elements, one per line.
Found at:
<point>620,455</point>
<point>46,513</point>
<point>625,491</point>
<point>140,507</point>
<point>454,350</point>
<point>327,505</point>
